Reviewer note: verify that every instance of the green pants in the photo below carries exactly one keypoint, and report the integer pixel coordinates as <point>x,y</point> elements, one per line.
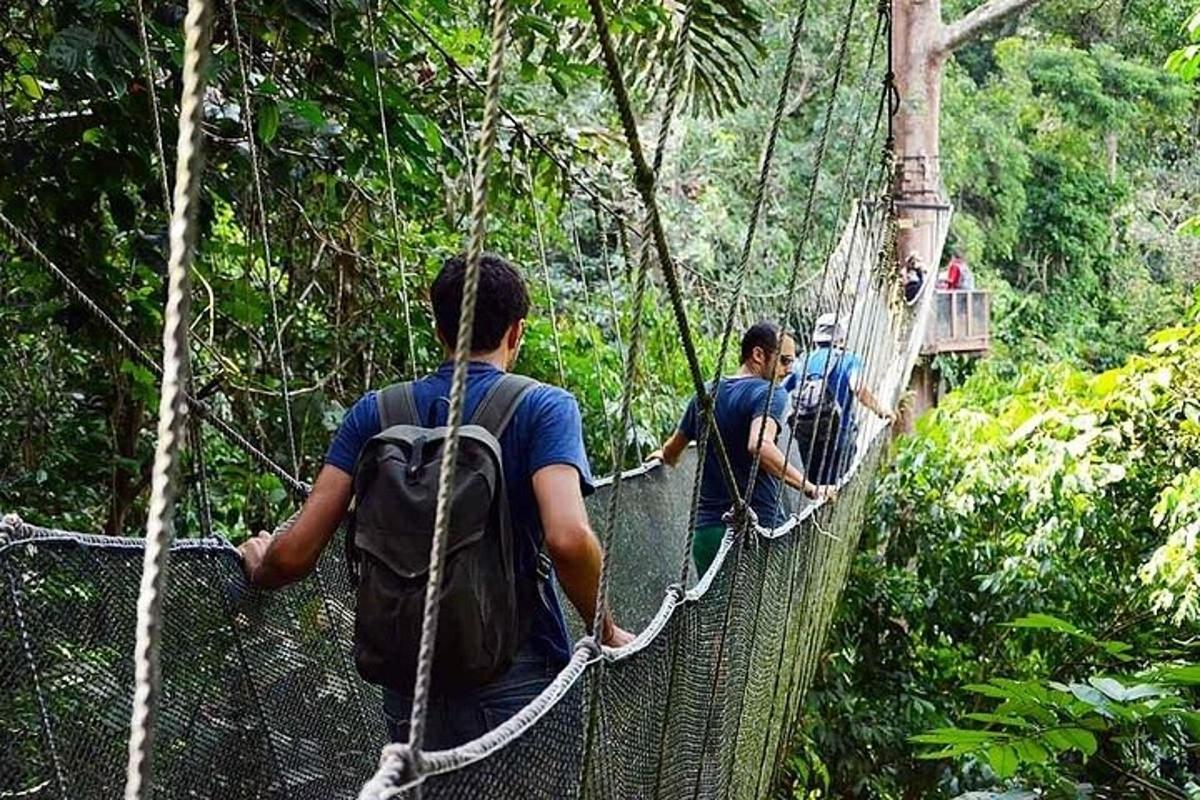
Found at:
<point>705,546</point>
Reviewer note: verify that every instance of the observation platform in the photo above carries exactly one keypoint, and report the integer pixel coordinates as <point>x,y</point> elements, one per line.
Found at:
<point>961,323</point>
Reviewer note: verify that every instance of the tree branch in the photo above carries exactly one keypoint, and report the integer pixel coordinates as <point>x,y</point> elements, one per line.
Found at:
<point>969,27</point>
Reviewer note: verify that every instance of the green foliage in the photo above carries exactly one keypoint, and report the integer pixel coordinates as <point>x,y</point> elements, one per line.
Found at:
<point>1185,62</point>
<point>1065,160</point>
<point>1065,501</point>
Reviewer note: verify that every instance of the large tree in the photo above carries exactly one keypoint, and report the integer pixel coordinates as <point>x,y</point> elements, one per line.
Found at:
<point>923,43</point>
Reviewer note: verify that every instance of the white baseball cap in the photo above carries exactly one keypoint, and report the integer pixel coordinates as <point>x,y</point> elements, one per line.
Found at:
<point>828,330</point>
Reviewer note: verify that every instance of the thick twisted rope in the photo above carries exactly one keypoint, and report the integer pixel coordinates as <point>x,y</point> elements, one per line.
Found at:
<point>742,270</point>
<point>644,180</point>
<point>195,437</point>
<point>172,406</point>
<point>195,405</point>
<point>806,227</point>
<point>256,176</point>
<point>391,181</point>
<point>462,351</point>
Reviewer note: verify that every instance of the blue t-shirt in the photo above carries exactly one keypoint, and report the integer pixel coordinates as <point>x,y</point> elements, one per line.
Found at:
<point>739,402</point>
<point>546,429</point>
<point>842,377</point>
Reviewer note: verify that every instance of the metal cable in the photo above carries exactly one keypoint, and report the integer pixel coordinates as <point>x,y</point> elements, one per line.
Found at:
<point>545,264</point>
<point>742,269</point>
<point>195,437</point>
<point>172,417</point>
<point>256,175</point>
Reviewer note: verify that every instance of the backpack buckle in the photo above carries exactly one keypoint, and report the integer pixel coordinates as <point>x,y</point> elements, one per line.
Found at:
<point>544,566</point>
<point>416,462</point>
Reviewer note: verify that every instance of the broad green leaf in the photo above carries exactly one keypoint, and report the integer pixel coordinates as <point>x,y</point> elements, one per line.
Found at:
<point>1071,739</point>
<point>1031,751</point>
<point>268,121</point>
<point>1003,760</point>
<point>1109,686</point>
<point>1188,675</point>
<point>956,736</point>
<point>953,751</point>
<point>999,719</point>
<point>30,86</point>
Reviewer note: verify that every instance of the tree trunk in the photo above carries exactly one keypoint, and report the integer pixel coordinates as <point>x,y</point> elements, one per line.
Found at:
<point>918,65</point>
<point>126,422</point>
<point>921,45</point>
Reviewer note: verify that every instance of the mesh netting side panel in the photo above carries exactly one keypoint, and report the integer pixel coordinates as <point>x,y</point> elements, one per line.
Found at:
<point>324,724</point>
<point>81,603</point>
<point>646,552</point>
<point>545,762</point>
<point>26,754</point>
<point>631,709</point>
<point>765,659</point>
<point>696,683</point>
<point>257,700</point>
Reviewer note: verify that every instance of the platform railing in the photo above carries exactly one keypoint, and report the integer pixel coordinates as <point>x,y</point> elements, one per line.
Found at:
<point>961,322</point>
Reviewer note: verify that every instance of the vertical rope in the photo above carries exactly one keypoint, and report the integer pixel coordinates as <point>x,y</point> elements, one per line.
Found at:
<point>172,406</point>
<point>616,444</point>
<point>195,435</point>
<point>644,179</point>
<point>614,309</point>
<point>551,306</point>
<point>256,175</point>
<point>43,709</point>
<point>839,71</point>
<point>766,159</point>
<point>391,187</point>
<point>466,328</point>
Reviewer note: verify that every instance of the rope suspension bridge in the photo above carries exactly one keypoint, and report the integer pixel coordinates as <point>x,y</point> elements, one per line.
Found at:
<point>237,693</point>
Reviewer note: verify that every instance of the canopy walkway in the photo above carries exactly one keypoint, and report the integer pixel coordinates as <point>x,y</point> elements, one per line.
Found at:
<point>256,695</point>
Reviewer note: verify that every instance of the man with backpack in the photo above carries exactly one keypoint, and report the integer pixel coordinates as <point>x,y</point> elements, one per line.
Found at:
<point>748,426</point>
<point>517,524</point>
<point>823,387</point>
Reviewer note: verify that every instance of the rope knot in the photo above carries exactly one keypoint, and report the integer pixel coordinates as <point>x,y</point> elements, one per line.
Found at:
<point>401,766</point>
<point>10,526</point>
<point>741,517</point>
<point>591,644</point>
<point>677,591</point>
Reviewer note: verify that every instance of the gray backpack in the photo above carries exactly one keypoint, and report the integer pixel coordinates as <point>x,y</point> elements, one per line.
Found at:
<point>481,624</point>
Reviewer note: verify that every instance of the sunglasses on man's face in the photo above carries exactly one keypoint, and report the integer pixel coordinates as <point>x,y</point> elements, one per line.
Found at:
<point>786,360</point>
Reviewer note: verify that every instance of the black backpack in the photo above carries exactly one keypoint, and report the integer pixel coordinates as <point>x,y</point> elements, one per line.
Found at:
<point>395,486</point>
<point>816,421</point>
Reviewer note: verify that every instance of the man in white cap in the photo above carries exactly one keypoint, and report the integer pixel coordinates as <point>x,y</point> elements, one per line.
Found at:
<point>823,386</point>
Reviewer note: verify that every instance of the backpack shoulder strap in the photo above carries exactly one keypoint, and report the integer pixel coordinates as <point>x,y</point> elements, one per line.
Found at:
<point>397,406</point>
<point>500,403</point>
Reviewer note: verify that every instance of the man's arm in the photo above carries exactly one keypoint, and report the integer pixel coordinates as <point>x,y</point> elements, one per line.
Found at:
<point>671,450</point>
<point>571,544</point>
<point>274,561</point>
<point>773,459</point>
<point>868,399</point>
